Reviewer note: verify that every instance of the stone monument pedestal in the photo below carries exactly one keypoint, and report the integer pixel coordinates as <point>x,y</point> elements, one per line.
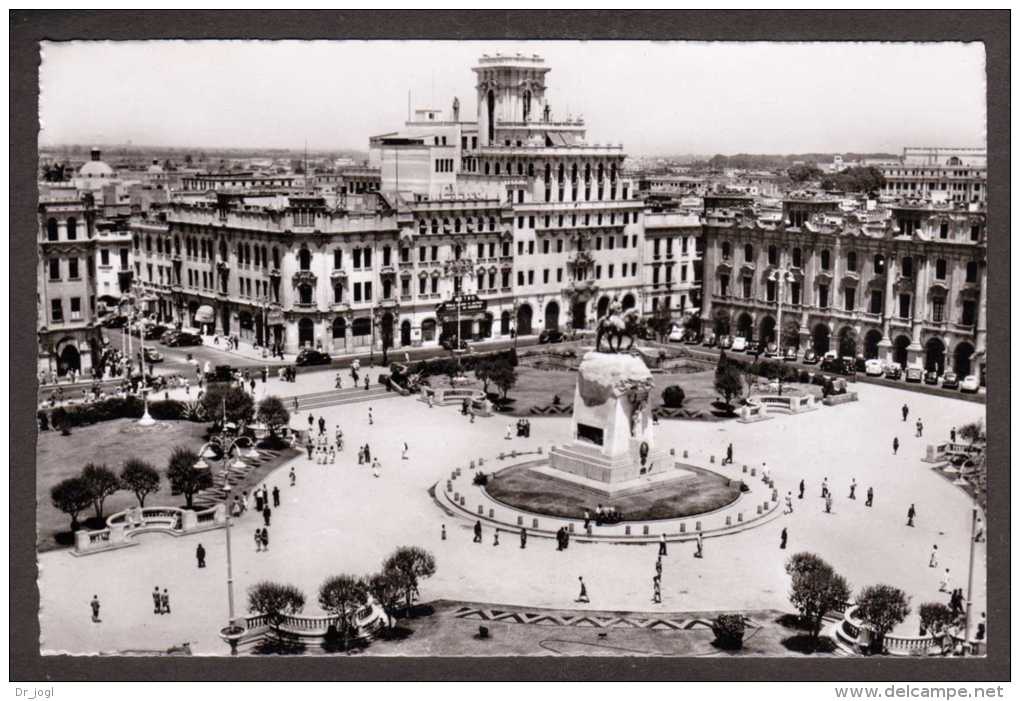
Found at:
<point>613,447</point>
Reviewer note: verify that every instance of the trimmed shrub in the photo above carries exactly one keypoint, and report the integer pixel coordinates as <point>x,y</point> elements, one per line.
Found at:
<point>673,397</point>
<point>481,479</point>
<point>729,631</point>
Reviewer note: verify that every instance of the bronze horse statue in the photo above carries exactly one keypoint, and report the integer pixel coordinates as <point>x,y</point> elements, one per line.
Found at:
<point>615,327</point>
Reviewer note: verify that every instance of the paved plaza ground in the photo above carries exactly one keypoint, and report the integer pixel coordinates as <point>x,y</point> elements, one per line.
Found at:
<point>340,519</point>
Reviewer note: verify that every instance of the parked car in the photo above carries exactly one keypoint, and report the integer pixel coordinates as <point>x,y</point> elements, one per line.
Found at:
<point>914,375</point>
<point>547,336</point>
<point>152,355</point>
<point>726,341</point>
<point>950,381</point>
<point>692,338</point>
<point>310,356</point>
<point>810,357</point>
<point>676,335</point>
<point>893,372</point>
<point>709,341</point>
<point>182,338</point>
<point>771,350</point>
<point>753,348</point>
<point>860,364</point>
<point>874,367</point>
<point>969,384</point>
<point>154,332</point>
<point>840,366</point>
<point>738,344</point>
<point>931,377</point>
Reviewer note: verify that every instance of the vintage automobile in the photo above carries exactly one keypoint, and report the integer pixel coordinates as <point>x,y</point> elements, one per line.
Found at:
<point>790,354</point>
<point>874,367</point>
<point>810,357</point>
<point>709,341</point>
<point>914,375</point>
<point>950,381</point>
<point>152,355</point>
<point>771,350</point>
<point>893,372</point>
<point>676,335</point>
<point>183,338</point>
<point>931,377</point>
<point>739,344</point>
<point>969,384</point>
<point>310,356</point>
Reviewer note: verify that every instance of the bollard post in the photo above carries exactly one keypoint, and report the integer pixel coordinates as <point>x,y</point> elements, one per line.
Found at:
<point>481,461</point>
<point>775,495</point>
<point>672,451</point>
<point>481,510</point>
<point>711,459</point>
<point>456,496</point>
<point>520,520</point>
<point>759,509</point>
<point>644,530</point>
<point>534,523</point>
<point>740,517</point>
<point>754,471</point>
<point>697,526</point>
<point>626,530</point>
<point>492,513</point>
<point>685,453</point>
<point>683,527</point>
<point>570,527</point>
<point>463,500</point>
<point>471,465</point>
<point>449,486</point>
<point>729,521</point>
<point>453,474</point>
<point>745,468</point>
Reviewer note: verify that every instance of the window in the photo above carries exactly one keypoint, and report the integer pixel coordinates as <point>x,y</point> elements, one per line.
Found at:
<point>435,254</point>
<point>876,302</point>
<point>531,248</point>
<point>520,277</point>
<point>823,296</point>
<point>54,268</point>
<point>633,269</point>
<point>520,248</point>
<point>51,229</point>
<point>972,271</point>
<point>683,273</point>
<point>826,262</point>
<point>72,268</point>
<point>849,299</point>
<point>975,232</point>
<point>357,292</point>
<point>969,313</point>
<point>421,285</point>
<point>904,306</point>
<point>611,266</point>
<point>770,290</point>
<point>724,285</point>
<point>851,261</point>
<point>305,259</point>
<point>545,246</point>
<point>940,269</point>
<point>56,311</point>
<point>559,245</point>
<point>726,252</point>
<point>72,229</point>
<point>773,255</point>
<point>104,257</point>
<point>746,282</point>
<point>795,255</point>
<point>421,254</point>
<point>75,308</point>
<point>545,276</point>
<point>559,274</point>
<point>748,253</point>
<point>435,285</point>
<point>338,294</point>
<point>938,309</point>
<point>794,293</point>
<point>338,258</point>
<point>944,230</point>
<point>405,255</point>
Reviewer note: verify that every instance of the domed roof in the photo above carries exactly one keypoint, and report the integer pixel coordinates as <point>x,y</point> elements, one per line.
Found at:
<point>96,169</point>
<point>155,167</point>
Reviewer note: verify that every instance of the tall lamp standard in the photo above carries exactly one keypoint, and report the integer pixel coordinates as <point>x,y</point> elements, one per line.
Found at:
<point>970,574</point>
<point>780,277</point>
<point>456,269</point>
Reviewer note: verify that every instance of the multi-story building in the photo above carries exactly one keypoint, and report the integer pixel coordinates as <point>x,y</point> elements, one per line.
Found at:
<point>112,262</point>
<point>957,175</point>
<point>66,285</point>
<point>906,283</point>
<point>672,261</point>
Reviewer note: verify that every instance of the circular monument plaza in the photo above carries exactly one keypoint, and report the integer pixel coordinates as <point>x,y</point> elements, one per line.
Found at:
<point>666,476</point>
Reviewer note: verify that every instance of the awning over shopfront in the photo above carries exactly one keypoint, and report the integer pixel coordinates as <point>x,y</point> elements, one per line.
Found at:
<point>205,315</point>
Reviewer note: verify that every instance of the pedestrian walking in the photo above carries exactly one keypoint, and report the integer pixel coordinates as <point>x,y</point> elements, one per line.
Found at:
<point>895,445</point>
<point>258,540</point>
<point>853,488</point>
<point>944,583</point>
<point>801,495</point>
<point>662,545</point>
<point>200,555</point>
<point>911,512</point>
<point>509,432</point>
<point>366,382</point>
<point>94,605</point>
<point>276,495</point>
<point>165,601</point>
<point>309,446</point>
<point>442,532</point>
<point>952,435</point>
<point>825,487</point>
<point>871,497</point>
<point>658,565</point>
<point>258,500</point>
<point>933,559</point>
<point>361,455</point>
<point>293,477</point>
<point>338,383</point>
<point>905,410</point>
<point>828,504</point>
<point>782,540</point>
<point>495,538</point>
<point>789,503</point>
<point>403,453</point>
<point>656,590</point>
<point>478,532</point>
<point>266,514</point>
<point>979,530</point>
<point>322,425</point>
<point>700,552</point>
<point>729,455</point>
<point>375,469</point>
<point>156,608</point>
<point>311,422</point>
<point>370,421</point>
<point>582,598</point>
<point>265,539</point>
<point>920,428</point>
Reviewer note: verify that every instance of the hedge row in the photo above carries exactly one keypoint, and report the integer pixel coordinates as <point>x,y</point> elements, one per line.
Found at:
<point>449,366</point>
<point>119,408</point>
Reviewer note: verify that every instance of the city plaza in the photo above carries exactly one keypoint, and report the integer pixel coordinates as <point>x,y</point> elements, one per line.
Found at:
<point>339,518</point>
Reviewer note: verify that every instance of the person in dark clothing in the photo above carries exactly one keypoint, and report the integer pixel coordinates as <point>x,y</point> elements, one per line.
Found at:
<point>266,514</point>
<point>801,495</point>
<point>322,425</point>
<point>871,497</point>
<point>895,445</point>
<point>258,500</point>
<point>368,454</point>
<point>309,446</point>
<point>478,532</point>
<point>524,538</point>
<point>910,515</point>
<point>265,539</point>
<point>276,496</point>
<point>200,555</point>
<point>729,455</point>
<point>156,607</point>
<point>906,411</point>
<point>782,540</point>
<point>94,604</point>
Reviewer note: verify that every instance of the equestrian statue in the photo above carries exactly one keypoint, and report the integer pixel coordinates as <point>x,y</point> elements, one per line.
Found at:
<point>616,325</point>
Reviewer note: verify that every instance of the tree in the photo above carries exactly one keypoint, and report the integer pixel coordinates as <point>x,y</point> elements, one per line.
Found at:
<point>504,377</point>
<point>101,482</point>
<point>220,396</point>
<point>275,601</point>
<point>71,496</point>
<point>973,432</point>
<point>883,607</point>
<point>728,380</point>
<point>857,179</point>
<point>406,566</point>
<point>660,323</point>
<point>184,477</point>
<point>483,372</point>
<point>385,589</point>
<point>139,477</point>
<point>673,397</point>
<point>273,413</point>
<point>815,588</point>
<point>803,173</point>
<point>933,615</point>
<point>342,596</point>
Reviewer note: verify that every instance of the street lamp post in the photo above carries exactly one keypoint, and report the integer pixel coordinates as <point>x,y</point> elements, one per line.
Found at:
<point>970,576</point>
<point>780,277</point>
<point>230,562</point>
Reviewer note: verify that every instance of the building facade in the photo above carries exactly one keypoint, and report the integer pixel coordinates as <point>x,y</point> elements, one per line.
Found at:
<point>957,175</point>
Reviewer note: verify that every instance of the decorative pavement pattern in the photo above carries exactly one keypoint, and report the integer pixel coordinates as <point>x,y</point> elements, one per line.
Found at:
<point>586,620</point>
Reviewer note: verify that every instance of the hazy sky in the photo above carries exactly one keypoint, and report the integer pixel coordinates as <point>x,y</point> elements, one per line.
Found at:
<point>654,97</point>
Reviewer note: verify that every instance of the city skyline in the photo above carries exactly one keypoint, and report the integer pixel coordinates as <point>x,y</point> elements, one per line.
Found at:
<point>804,111</point>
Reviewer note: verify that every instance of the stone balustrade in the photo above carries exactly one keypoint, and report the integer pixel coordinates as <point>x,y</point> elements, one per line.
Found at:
<point>123,526</point>
<point>942,452</point>
<point>848,630</point>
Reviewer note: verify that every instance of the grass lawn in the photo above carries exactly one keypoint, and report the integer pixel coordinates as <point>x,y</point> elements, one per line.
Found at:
<point>522,488</point>
<point>112,443</point>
